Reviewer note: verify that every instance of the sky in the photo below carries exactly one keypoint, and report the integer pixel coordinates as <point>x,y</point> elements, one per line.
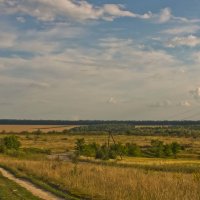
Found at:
<point>105,59</point>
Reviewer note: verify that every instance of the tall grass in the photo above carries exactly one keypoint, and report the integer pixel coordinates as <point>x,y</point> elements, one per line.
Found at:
<point>110,182</point>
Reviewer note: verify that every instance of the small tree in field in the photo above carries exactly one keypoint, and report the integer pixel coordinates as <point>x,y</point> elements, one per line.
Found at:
<point>157,148</point>
<point>175,148</point>
<point>80,143</point>
<point>11,142</point>
<point>133,150</point>
<point>168,150</point>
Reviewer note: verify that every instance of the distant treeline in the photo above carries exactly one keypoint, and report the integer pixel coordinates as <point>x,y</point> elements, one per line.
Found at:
<point>97,122</point>
<point>186,131</point>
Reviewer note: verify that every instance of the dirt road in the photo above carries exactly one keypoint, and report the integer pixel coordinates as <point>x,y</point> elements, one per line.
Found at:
<point>30,187</point>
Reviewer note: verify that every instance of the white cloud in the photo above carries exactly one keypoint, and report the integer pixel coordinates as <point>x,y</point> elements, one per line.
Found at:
<point>21,19</point>
<point>127,52</point>
<point>48,10</point>
<point>184,103</point>
<point>112,100</point>
<point>38,85</point>
<point>7,39</point>
<point>45,41</point>
<point>168,103</point>
<point>113,42</point>
<point>190,41</point>
<point>195,93</point>
<point>165,103</point>
<point>114,65</point>
<point>182,30</point>
<point>165,15</point>
<point>60,10</point>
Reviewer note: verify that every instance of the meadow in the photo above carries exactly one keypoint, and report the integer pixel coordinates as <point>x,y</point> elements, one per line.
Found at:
<point>138,178</point>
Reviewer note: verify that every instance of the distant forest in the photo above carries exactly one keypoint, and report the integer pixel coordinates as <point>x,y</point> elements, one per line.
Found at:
<point>98,122</point>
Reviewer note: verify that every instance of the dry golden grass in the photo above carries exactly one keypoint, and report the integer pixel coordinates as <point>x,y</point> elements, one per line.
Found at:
<point>111,182</point>
<point>115,182</point>
<point>32,128</point>
<point>62,142</point>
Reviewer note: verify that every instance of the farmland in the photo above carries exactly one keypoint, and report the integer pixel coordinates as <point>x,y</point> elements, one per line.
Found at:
<point>32,128</point>
<point>46,158</point>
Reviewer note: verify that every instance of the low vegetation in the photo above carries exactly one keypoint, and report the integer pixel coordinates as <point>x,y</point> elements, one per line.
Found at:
<point>11,191</point>
<point>9,143</point>
<point>112,151</point>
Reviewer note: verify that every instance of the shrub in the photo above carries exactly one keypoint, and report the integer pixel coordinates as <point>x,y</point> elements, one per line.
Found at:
<point>80,143</point>
<point>89,150</point>
<point>175,148</point>
<point>11,142</point>
<point>112,154</point>
<point>133,150</point>
<point>2,146</point>
<point>160,150</point>
<point>157,148</point>
<point>168,150</point>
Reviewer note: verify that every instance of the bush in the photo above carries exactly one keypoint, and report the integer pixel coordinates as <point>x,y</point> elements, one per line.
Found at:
<point>2,146</point>
<point>112,154</point>
<point>175,148</point>
<point>168,150</point>
<point>89,150</point>
<point>80,143</point>
<point>160,150</point>
<point>133,150</point>
<point>99,154</point>
<point>157,148</point>
<point>11,142</point>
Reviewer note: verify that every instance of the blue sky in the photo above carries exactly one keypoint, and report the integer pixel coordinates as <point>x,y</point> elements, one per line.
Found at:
<point>71,59</point>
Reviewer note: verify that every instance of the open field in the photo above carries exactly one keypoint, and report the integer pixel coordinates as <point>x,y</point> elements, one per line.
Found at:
<point>64,142</point>
<point>138,178</point>
<point>32,128</point>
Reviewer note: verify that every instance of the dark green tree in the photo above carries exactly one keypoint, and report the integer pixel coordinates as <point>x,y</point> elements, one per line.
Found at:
<point>168,150</point>
<point>133,150</point>
<point>175,148</point>
<point>157,148</point>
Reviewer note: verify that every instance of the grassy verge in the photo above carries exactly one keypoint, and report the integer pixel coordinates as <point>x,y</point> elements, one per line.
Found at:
<point>160,167</point>
<point>51,187</point>
<point>11,191</point>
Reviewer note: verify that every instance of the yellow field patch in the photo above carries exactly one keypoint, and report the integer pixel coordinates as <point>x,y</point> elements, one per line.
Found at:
<point>32,128</point>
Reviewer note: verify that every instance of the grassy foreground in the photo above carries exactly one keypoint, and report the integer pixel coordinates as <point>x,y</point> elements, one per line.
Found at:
<point>111,182</point>
<point>11,191</point>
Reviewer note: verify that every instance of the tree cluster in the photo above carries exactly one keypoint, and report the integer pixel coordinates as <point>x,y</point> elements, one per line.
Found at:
<point>112,151</point>
<point>106,151</point>
<point>159,149</point>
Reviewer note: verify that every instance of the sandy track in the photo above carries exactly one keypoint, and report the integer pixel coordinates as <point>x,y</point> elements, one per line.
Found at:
<point>30,187</point>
